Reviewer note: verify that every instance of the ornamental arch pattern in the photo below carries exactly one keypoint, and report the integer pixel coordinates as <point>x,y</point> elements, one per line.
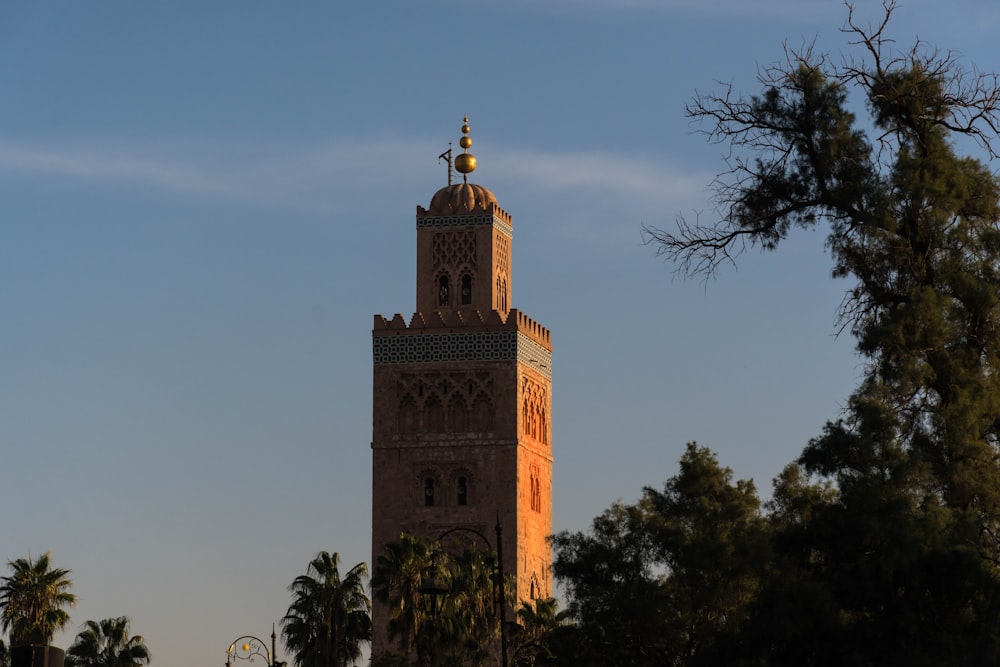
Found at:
<point>458,402</point>
<point>454,249</point>
<point>534,411</point>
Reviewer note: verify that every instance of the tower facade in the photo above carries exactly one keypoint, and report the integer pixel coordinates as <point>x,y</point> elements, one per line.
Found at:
<point>462,432</point>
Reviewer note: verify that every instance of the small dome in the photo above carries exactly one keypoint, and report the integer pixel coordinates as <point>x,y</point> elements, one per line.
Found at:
<point>460,199</point>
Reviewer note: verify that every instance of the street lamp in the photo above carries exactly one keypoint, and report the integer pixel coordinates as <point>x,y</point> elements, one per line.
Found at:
<point>435,590</point>
<point>432,590</point>
<point>249,647</point>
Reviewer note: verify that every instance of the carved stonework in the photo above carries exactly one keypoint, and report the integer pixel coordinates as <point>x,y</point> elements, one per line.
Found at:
<point>458,402</point>
<point>534,411</point>
<point>455,251</point>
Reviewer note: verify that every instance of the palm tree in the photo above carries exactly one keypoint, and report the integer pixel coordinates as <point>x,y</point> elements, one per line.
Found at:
<point>33,600</point>
<point>469,624</point>
<point>107,643</point>
<point>538,622</point>
<point>329,618</point>
<point>398,574</point>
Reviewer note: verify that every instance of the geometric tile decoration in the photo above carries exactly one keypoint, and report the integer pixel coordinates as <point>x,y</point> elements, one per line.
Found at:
<point>478,346</point>
<point>464,220</point>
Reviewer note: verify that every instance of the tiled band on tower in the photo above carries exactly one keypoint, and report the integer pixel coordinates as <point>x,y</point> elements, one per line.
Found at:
<point>462,433</point>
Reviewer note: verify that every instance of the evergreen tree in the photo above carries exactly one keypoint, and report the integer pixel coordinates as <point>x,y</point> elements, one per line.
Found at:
<point>656,582</point>
<point>901,561</point>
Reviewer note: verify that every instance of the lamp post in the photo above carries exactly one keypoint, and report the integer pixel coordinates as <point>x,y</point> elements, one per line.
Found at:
<point>249,647</point>
<point>435,589</point>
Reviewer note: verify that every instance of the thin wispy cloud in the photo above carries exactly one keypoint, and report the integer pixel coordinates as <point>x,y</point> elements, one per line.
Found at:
<point>317,177</point>
<point>96,165</point>
<point>772,9</point>
<point>610,173</point>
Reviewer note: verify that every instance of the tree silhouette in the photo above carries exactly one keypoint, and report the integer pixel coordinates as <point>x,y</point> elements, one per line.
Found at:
<point>33,599</point>
<point>329,618</point>
<point>107,643</point>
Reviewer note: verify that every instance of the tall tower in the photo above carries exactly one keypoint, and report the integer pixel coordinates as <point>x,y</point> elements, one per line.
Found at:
<point>462,433</point>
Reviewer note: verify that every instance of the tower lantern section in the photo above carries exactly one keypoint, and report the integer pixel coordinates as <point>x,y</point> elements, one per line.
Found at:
<point>463,246</point>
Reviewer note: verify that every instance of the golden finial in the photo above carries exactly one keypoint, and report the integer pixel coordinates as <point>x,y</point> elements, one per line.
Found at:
<point>466,162</point>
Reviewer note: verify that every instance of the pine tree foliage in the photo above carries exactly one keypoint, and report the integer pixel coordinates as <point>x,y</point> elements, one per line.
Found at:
<point>658,581</point>
<point>913,225</point>
<point>881,543</point>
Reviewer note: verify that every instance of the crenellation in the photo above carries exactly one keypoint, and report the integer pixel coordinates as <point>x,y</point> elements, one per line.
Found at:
<point>397,323</point>
<point>494,318</point>
<point>502,214</point>
<point>437,320</point>
<point>531,327</point>
<point>472,317</point>
<point>467,318</point>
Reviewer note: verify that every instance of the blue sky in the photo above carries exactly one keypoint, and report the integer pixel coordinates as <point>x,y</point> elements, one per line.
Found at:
<point>203,204</point>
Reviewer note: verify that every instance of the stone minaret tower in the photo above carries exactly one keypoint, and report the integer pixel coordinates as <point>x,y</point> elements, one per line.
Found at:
<point>462,434</point>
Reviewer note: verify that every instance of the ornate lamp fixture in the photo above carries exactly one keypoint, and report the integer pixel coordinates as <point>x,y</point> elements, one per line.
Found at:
<point>249,647</point>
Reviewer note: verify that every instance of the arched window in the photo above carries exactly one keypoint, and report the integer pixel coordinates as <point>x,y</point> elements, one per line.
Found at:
<point>429,492</point>
<point>466,290</point>
<point>535,489</point>
<point>463,491</point>
<point>443,291</point>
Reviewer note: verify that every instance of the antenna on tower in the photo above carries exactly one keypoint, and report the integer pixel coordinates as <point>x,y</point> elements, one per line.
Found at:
<point>446,156</point>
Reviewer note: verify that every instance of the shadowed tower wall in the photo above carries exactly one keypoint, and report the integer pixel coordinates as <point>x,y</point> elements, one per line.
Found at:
<point>462,405</point>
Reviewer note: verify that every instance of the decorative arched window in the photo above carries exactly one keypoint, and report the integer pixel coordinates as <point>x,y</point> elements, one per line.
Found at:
<point>429,492</point>
<point>435,415</point>
<point>463,491</point>
<point>482,414</point>
<point>466,290</point>
<point>408,416</point>
<point>535,489</point>
<point>458,416</point>
<point>443,290</point>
